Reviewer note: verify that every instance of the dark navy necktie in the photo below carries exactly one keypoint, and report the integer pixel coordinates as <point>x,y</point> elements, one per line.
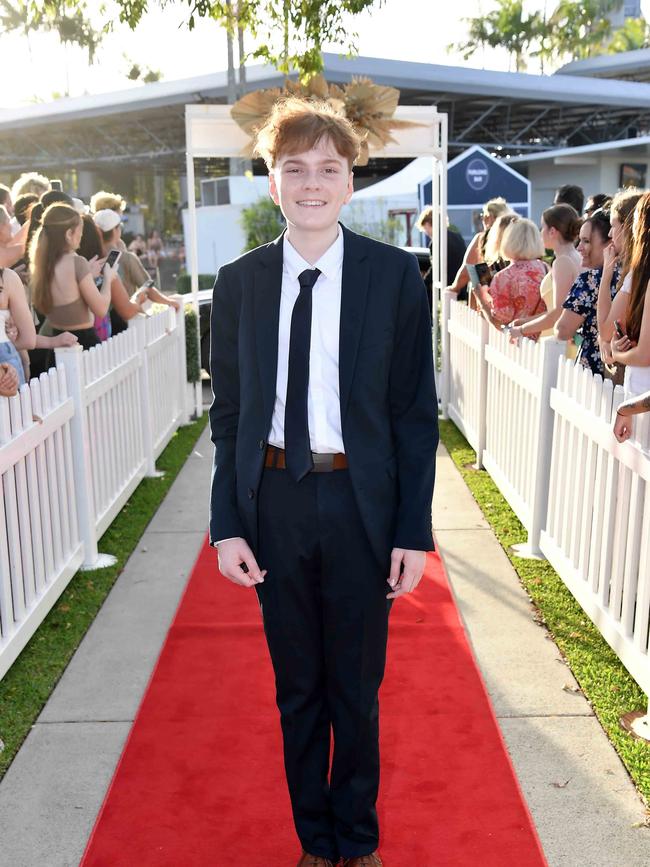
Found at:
<point>296,425</point>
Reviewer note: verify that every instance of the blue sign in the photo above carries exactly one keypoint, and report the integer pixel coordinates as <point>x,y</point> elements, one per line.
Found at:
<point>477,174</point>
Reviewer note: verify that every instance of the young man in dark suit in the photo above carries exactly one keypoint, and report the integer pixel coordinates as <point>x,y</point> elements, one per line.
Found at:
<point>325,429</point>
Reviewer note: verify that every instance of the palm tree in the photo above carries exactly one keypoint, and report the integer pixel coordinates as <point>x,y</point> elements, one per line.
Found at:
<point>505,27</point>
<point>580,28</point>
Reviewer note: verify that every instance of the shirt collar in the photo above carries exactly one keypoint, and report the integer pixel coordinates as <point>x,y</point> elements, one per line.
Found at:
<point>329,264</point>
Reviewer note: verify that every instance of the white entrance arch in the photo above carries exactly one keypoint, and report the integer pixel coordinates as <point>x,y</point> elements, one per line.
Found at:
<point>210,131</point>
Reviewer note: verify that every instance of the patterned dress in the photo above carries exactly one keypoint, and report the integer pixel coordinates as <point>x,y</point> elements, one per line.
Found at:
<point>514,292</point>
<point>582,300</point>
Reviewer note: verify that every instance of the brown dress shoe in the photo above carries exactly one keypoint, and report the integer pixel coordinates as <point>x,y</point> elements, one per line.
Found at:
<point>364,861</point>
<point>308,860</point>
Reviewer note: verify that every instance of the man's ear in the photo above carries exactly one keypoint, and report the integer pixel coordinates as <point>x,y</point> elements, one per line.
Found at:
<point>350,190</point>
<point>273,190</point>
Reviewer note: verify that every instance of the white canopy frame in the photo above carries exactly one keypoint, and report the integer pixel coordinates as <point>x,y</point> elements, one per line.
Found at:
<point>212,133</point>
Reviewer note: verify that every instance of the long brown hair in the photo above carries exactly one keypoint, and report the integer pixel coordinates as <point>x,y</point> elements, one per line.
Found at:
<point>623,205</point>
<point>48,246</point>
<point>639,266</point>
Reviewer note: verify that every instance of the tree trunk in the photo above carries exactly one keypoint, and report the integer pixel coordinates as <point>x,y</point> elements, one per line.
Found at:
<point>235,167</point>
<point>245,166</point>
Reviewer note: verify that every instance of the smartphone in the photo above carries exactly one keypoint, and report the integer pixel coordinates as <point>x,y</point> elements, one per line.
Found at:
<point>618,329</point>
<point>56,184</point>
<point>113,258</point>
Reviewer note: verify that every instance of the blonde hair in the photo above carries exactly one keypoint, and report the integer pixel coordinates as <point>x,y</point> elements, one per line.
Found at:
<point>496,207</point>
<point>493,245</point>
<point>522,240</point>
<point>296,125</point>
<point>30,182</point>
<point>426,216</point>
<point>107,201</point>
<point>48,245</point>
<point>4,215</point>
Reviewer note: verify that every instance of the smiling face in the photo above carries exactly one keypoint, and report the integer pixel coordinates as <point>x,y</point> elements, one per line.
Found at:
<point>311,187</point>
<point>591,246</point>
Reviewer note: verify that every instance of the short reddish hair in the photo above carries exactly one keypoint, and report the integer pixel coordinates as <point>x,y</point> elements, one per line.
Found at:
<point>296,125</point>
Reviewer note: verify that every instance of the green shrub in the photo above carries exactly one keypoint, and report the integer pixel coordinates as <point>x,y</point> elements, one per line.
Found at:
<point>192,356</point>
<point>184,283</point>
<point>262,222</point>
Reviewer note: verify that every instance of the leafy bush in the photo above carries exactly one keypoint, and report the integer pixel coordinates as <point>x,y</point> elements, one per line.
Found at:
<point>192,345</point>
<point>184,283</point>
<point>262,222</point>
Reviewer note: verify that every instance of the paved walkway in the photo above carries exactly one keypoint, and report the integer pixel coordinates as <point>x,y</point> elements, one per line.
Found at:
<point>53,790</point>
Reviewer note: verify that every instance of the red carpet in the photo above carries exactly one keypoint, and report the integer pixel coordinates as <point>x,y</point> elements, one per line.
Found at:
<point>200,782</point>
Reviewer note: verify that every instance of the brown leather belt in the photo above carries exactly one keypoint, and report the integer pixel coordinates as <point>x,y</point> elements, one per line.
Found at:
<point>323,463</point>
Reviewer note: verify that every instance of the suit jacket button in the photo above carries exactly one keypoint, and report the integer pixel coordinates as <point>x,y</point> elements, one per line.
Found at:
<point>251,494</point>
<point>262,444</point>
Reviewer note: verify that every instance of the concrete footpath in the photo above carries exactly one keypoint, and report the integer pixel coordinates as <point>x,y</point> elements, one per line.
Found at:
<point>579,794</point>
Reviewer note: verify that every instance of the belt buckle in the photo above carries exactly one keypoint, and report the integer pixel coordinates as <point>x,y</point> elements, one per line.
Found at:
<point>323,463</point>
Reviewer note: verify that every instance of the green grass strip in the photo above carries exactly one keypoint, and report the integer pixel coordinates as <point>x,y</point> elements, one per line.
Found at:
<point>605,682</point>
<point>30,681</point>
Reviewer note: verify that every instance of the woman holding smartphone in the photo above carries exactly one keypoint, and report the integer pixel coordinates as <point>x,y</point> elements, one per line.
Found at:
<point>109,226</point>
<point>63,288</point>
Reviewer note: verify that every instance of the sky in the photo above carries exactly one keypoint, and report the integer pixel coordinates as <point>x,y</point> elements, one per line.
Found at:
<point>417,30</point>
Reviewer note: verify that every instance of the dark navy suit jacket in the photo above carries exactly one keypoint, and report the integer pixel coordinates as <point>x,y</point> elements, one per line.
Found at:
<point>389,410</point>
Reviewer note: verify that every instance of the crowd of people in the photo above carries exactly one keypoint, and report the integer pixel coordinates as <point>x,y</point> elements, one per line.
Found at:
<point>583,276</point>
<point>66,275</point>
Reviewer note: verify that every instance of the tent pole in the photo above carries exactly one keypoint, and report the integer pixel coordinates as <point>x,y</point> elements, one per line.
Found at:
<point>193,251</point>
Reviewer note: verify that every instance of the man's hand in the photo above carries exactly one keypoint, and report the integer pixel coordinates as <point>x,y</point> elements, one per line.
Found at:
<point>622,427</point>
<point>233,553</point>
<point>408,580</point>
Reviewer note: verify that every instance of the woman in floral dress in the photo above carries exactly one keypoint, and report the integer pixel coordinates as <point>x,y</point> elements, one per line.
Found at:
<point>514,291</point>
<point>579,316</point>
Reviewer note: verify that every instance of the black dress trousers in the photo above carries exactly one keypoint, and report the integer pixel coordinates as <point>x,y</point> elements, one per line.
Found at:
<point>326,621</point>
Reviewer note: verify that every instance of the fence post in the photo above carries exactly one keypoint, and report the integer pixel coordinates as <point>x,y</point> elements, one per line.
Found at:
<point>445,361</point>
<point>552,352</point>
<point>182,360</point>
<point>71,361</point>
<point>482,394</point>
<point>139,324</point>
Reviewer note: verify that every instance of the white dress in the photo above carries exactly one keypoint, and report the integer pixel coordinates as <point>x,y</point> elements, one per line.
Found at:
<point>637,379</point>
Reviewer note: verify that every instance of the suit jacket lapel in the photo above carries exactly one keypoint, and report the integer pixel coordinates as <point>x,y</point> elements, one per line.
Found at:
<point>354,293</point>
<point>268,289</point>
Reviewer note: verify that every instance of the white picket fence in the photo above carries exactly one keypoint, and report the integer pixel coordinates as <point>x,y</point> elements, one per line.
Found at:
<point>74,445</point>
<point>517,450</point>
<point>464,372</point>
<point>597,534</point>
<point>542,428</point>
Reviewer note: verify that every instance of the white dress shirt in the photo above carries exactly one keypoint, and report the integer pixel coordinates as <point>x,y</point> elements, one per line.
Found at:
<point>323,402</point>
<point>324,405</point>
